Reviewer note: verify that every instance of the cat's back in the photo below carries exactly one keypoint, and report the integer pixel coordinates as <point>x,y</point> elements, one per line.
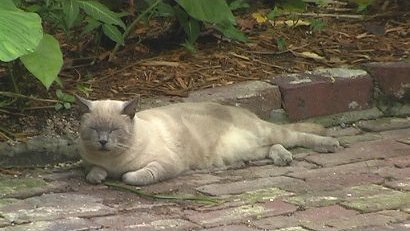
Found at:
<point>195,111</point>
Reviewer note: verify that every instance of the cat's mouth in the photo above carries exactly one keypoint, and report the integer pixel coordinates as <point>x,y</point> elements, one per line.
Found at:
<point>104,149</point>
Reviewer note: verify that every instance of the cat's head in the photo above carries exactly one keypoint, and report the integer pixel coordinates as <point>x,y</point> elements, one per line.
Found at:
<point>107,125</point>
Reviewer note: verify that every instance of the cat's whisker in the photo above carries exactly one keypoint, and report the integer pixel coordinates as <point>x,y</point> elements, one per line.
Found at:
<point>124,146</point>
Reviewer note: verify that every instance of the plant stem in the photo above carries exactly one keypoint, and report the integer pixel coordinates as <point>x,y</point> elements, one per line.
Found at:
<point>11,67</point>
<point>132,25</point>
<point>4,133</point>
<point>135,190</point>
<point>18,95</point>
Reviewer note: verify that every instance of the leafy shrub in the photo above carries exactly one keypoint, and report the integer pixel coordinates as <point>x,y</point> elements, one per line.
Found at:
<point>22,37</point>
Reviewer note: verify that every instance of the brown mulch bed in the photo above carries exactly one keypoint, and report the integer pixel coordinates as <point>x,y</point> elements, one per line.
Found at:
<point>154,69</point>
<point>176,72</point>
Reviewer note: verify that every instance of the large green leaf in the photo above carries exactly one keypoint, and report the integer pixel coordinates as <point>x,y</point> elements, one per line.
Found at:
<point>113,33</point>
<point>100,12</point>
<point>191,26</point>
<point>229,31</point>
<point>20,32</point>
<point>8,5</point>
<point>46,61</point>
<point>211,11</point>
<point>71,10</point>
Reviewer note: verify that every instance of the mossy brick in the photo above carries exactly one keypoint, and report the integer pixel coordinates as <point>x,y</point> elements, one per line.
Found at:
<point>316,218</point>
<point>402,185</point>
<point>261,195</point>
<point>187,182</point>
<point>54,206</point>
<point>356,168</point>
<point>294,228</point>
<point>383,124</point>
<point>268,170</point>
<point>394,173</point>
<point>398,134</point>
<point>378,149</point>
<point>71,223</point>
<point>10,186</point>
<point>230,228</point>
<point>347,141</point>
<point>238,187</point>
<point>167,224</point>
<point>386,201</point>
<point>367,220</point>
<point>325,92</point>
<point>344,118</point>
<point>240,214</point>
<point>4,222</point>
<point>309,200</point>
<point>389,227</point>
<point>327,198</point>
<point>257,96</point>
<point>275,223</point>
<point>392,78</point>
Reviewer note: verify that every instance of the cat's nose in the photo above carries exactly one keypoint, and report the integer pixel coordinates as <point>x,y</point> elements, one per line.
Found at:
<point>103,142</point>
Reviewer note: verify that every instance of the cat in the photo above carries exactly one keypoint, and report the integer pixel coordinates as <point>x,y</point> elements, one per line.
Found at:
<point>160,143</point>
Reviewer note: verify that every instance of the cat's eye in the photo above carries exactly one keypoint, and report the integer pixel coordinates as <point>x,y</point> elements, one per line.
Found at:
<point>114,129</point>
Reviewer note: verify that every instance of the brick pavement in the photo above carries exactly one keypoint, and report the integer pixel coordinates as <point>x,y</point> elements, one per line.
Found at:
<point>363,187</point>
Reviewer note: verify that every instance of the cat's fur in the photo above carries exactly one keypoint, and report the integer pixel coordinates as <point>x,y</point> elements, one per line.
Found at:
<point>160,143</point>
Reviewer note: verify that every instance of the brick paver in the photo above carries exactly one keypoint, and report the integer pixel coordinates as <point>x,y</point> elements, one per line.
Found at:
<point>365,186</point>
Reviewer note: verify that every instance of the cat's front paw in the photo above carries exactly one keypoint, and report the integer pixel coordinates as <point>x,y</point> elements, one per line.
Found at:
<point>139,177</point>
<point>96,175</point>
<point>328,144</point>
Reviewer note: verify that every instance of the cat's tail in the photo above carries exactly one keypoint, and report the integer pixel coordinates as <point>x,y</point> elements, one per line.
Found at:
<point>307,128</point>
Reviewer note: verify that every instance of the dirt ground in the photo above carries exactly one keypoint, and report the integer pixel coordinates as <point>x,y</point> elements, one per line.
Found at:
<point>159,66</point>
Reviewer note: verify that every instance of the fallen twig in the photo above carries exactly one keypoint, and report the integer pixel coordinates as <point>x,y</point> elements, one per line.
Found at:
<point>160,63</point>
<point>138,191</point>
<point>16,95</point>
<point>6,134</point>
<point>348,16</point>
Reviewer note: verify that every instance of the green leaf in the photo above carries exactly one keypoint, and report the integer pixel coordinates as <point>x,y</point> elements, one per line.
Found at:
<point>59,94</point>
<point>191,27</point>
<point>92,24</point>
<point>229,31</point>
<point>67,105</point>
<point>190,46</point>
<point>100,12</point>
<point>165,10</point>
<point>8,5</point>
<point>71,10</point>
<point>274,13</point>
<point>211,11</point>
<point>281,43</point>
<point>46,61</point>
<point>20,32</point>
<point>293,5</point>
<point>58,106</point>
<point>113,33</point>
<point>238,4</point>
<point>317,24</point>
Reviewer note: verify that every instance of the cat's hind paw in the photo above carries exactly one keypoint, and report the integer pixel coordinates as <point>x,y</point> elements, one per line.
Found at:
<point>328,144</point>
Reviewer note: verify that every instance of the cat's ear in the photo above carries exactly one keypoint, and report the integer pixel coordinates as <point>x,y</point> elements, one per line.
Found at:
<point>83,104</point>
<point>131,107</point>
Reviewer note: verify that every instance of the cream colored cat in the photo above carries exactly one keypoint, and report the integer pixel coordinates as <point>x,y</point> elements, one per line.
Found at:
<point>160,143</point>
